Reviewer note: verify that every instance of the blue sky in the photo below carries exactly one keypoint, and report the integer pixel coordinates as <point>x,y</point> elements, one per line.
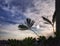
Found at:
<point>14,12</point>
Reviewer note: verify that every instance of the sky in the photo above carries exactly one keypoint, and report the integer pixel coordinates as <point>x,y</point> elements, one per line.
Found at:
<point>14,12</point>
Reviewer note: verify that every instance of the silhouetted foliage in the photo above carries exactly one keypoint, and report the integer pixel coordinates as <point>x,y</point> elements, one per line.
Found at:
<point>41,41</point>
<point>28,41</point>
<point>22,27</point>
<point>28,24</point>
<point>49,22</point>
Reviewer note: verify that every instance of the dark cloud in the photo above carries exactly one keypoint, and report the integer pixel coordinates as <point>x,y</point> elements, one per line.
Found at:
<point>6,17</point>
<point>21,4</point>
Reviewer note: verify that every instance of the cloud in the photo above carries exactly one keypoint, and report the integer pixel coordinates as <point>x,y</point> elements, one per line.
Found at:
<point>13,12</point>
<point>7,18</point>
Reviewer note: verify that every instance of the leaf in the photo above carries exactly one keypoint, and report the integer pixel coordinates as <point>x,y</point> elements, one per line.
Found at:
<point>22,27</point>
<point>47,20</point>
<point>54,17</point>
<point>32,22</point>
<point>29,22</point>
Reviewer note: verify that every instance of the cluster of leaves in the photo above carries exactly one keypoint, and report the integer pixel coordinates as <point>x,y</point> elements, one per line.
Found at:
<point>28,24</point>
<point>49,21</point>
<point>53,19</point>
<point>25,42</point>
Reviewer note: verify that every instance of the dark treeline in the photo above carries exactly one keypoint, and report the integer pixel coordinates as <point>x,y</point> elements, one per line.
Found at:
<point>41,41</point>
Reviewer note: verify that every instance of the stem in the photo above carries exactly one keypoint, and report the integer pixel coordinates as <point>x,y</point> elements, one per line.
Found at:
<point>35,33</point>
<point>53,27</point>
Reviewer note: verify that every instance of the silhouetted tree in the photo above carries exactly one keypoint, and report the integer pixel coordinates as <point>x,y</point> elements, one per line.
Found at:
<point>28,41</point>
<point>42,41</point>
